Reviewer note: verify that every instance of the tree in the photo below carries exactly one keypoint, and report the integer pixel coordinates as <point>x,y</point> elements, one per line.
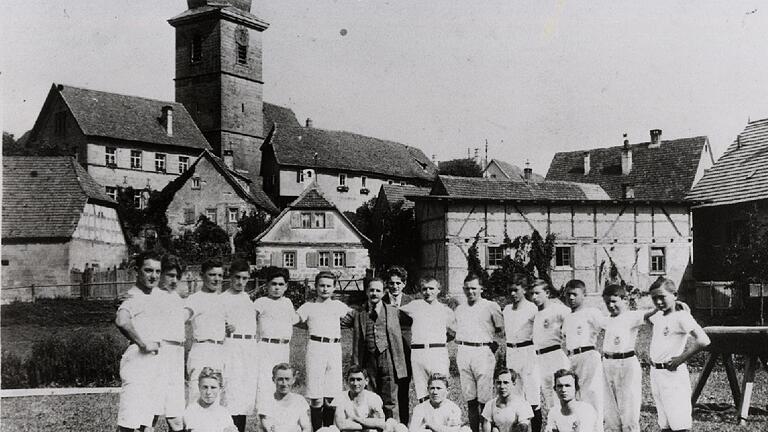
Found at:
<point>461,168</point>
<point>249,227</point>
<point>747,256</point>
<point>207,240</point>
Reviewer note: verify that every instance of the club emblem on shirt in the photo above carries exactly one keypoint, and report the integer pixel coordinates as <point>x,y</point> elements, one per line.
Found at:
<point>666,331</point>
<point>546,323</point>
<point>576,427</point>
<point>579,330</point>
<point>616,340</point>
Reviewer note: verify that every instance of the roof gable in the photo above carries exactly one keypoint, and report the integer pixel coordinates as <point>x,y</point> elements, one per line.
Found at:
<point>741,173</point>
<point>513,172</point>
<point>663,173</point>
<point>494,189</point>
<point>394,194</point>
<point>131,118</point>
<point>44,197</point>
<point>346,151</point>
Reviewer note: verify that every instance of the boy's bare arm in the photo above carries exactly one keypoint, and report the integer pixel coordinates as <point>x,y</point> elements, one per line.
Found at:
<point>344,422</point>
<point>701,341</point>
<point>125,325</point>
<point>304,423</point>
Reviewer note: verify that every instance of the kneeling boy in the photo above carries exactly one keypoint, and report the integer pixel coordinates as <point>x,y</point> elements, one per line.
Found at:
<point>359,409</point>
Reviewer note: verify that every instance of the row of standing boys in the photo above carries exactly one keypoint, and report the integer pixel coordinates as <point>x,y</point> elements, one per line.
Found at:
<point>397,338</point>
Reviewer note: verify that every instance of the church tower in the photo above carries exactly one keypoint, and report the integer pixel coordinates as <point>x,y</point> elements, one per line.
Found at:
<point>218,76</point>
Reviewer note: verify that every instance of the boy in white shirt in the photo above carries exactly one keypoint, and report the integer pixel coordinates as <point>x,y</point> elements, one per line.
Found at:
<point>284,411</point>
<point>205,414</point>
<point>477,321</point>
<point>521,355</point>
<point>276,316</point>
<point>580,329</point>
<point>570,415</point>
<point>437,414</point>
<point>241,361</point>
<point>206,311</point>
<point>431,322</point>
<point>323,359</point>
<point>548,337</point>
<point>507,412</point>
<point>170,386</point>
<point>670,383</point>
<point>139,319</point>
<point>359,409</point>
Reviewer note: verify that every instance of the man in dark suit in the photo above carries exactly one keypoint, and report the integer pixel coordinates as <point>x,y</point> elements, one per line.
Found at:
<point>377,346</point>
<point>396,278</point>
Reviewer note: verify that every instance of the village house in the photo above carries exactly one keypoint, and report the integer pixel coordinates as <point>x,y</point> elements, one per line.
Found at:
<point>56,218</point>
<point>392,195</point>
<point>632,216</point>
<point>310,235</point>
<point>348,168</point>
<point>212,188</point>
<point>731,192</point>
<point>498,169</point>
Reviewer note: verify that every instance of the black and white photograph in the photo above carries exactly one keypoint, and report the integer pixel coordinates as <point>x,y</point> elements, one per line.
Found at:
<point>384,216</point>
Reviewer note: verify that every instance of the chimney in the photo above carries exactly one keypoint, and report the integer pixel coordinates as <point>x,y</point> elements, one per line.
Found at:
<point>655,138</point>
<point>527,171</point>
<point>167,119</point>
<point>587,166</point>
<point>477,156</point>
<point>309,122</point>
<point>229,159</point>
<point>626,157</point>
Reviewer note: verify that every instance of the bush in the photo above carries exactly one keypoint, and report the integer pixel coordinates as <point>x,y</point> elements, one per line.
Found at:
<point>14,374</point>
<point>78,359</point>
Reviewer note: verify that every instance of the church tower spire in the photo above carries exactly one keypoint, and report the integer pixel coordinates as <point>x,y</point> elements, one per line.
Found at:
<point>219,76</point>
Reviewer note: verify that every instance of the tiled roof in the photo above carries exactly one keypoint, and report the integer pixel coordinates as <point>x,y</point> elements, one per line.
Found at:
<point>477,188</point>
<point>346,151</point>
<point>311,198</point>
<point>276,114</point>
<point>514,172</point>
<point>131,118</point>
<point>658,174</point>
<point>741,173</point>
<point>44,196</point>
<point>397,193</point>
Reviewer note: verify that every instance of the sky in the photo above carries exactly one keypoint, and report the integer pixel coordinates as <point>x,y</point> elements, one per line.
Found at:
<point>532,77</point>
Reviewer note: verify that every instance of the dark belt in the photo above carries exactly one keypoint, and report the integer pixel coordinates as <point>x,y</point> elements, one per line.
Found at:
<point>432,345</point>
<point>174,343</point>
<point>275,340</point>
<point>619,356</point>
<point>217,342</point>
<point>661,365</point>
<point>324,339</point>
<point>241,336</point>
<point>519,345</point>
<point>581,350</point>
<point>474,344</point>
<point>548,349</point>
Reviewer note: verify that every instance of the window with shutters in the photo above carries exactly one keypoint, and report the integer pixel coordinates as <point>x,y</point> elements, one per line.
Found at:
<point>189,215</point>
<point>136,159</point>
<point>110,157</point>
<point>658,260</point>
<point>160,162</point>
<point>306,220</point>
<point>318,220</point>
<point>183,164</point>
<point>339,259</point>
<point>289,259</point>
<point>324,259</point>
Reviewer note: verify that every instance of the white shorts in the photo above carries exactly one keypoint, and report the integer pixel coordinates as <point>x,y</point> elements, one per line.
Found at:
<point>672,396</point>
<point>323,366</point>
<point>139,373</point>
<point>202,355</point>
<point>424,362</point>
<point>523,361</point>
<point>476,366</point>
<point>549,363</point>
<point>241,375</point>
<point>623,394</point>
<point>270,354</point>
<point>589,368</point>
<point>170,385</point>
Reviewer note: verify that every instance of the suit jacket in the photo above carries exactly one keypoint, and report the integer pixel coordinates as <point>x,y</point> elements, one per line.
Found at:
<point>394,336</point>
<point>406,298</point>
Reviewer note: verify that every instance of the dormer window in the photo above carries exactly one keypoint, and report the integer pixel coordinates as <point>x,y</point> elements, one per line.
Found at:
<point>628,191</point>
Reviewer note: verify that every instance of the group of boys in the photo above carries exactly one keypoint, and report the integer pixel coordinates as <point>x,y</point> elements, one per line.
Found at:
<point>550,350</point>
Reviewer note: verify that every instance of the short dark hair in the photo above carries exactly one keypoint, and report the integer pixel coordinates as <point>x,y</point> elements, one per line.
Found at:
<point>356,369</point>
<point>171,262</point>
<point>209,264</point>
<point>399,272</point>
<point>239,265</point>
<point>473,276</point>
<point>614,290</point>
<point>504,371</point>
<point>276,272</point>
<point>282,366</point>
<point>147,255</point>
<point>427,279</point>
<point>375,279</point>
<point>325,275</point>
<point>664,283</point>
<point>564,373</point>
<point>576,284</point>
<point>519,279</point>
<point>437,377</point>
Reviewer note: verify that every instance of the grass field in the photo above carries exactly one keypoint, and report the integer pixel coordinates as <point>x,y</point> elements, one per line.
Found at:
<point>21,328</point>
